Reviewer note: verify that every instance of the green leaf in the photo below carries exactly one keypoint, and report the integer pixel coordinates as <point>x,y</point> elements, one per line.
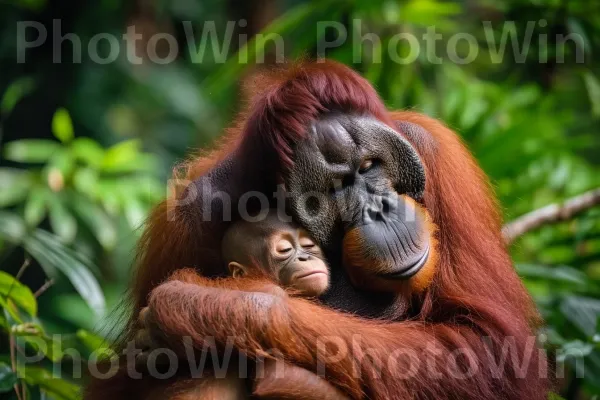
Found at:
<point>14,195</point>
<point>12,227</point>
<point>59,388</point>
<point>62,161</point>
<point>52,255</point>
<point>88,151</point>
<point>121,154</point>
<point>31,150</point>
<point>10,177</point>
<point>12,314</point>
<point>97,221</point>
<point>552,273</point>
<point>62,126</point>
<point>135,212</point>
<point>574,348</point>
<point>62,222</point>
<point>20,294</point>
<point>34,335</point>
<point>149,188</point>
<point>92,341</point>
<point>15,92</point>
<point>110,195</point>
<point>85,181</point>
<point>7,378</point>
<point>15,184</point>
<point>36,206</point>
<point>583,312</point>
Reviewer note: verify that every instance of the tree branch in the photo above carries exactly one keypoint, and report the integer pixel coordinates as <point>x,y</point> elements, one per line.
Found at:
<point>550,214</point>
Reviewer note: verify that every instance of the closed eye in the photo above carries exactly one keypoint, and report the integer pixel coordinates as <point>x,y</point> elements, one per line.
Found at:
<point>284,247</point>
<point>367,165</point>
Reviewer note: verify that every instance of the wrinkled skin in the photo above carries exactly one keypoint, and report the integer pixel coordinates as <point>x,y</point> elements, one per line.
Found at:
<point>276,250</point>
<point>368,180</point>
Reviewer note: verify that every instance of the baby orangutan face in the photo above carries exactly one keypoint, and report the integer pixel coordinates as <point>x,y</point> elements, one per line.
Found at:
<point>279,250</point>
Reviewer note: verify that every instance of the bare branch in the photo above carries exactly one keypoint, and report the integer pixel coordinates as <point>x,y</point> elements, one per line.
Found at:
<point>44,287</point>
<point>550,214</point>
<point>24,266</point>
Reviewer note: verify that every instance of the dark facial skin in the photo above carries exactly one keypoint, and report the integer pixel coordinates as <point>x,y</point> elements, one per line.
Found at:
<point>278,250</point>
<point>366,177</point>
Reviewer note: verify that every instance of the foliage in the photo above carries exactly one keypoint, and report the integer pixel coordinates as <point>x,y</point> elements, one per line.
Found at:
<point>19,321</point>
<point>532,122</point>
<point>78,190</point>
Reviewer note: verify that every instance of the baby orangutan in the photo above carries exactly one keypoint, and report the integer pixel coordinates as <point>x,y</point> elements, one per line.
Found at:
<point>284,254</point>
<point>279,251</point>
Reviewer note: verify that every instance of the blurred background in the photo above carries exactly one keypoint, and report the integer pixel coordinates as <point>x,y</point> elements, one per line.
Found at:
<point>89,139</point>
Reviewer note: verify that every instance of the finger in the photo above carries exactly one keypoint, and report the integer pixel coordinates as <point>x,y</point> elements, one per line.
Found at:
<point>141,359</point>
<point>144,316</point>
<point>280,380</point>
<point>143,339</point>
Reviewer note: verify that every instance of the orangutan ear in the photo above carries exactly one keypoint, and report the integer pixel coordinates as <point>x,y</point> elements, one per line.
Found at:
<point>237,270</point>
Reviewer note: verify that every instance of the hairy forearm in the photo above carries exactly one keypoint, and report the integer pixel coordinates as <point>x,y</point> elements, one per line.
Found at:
<point>383,359</point>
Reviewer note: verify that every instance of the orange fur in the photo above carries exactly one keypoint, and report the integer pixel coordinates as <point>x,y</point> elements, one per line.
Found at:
<point>468,291</point>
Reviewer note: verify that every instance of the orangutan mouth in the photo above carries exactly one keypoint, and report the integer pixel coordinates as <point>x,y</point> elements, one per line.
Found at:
<point>410,270</point>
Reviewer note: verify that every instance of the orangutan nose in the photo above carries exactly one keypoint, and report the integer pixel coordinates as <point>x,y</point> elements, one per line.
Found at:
<point>378,208</point>
<point>303,257</point>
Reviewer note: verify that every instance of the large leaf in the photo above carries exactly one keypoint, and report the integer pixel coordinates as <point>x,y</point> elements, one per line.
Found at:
<point>53,255</point>
<point>31,150</point>
<point>20,294</point>
<point>61,220</point>
<point>12,227</point>
<point>97,221</point>
<point>552,273</point>
<point>583,312</point>
<point>36,206</point>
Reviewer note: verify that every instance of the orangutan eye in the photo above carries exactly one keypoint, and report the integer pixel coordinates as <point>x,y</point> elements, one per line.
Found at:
<point>307,243</point>
<point>283,247</point>
<point>366,165</point>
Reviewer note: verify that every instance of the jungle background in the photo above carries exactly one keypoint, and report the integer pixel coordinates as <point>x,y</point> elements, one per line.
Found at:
<point>86,148</point>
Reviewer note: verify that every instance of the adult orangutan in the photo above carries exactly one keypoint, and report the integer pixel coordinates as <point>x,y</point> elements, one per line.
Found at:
<point>409,228</point>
